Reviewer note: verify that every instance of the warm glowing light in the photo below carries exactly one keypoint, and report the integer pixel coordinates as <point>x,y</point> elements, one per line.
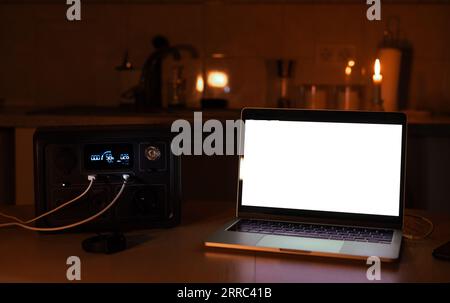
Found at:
<point>351,63</point>
<point>217,79</point>
<point>377,67</point>
<point>200,85</point>
<point>377,77</point>
<point>348,71</point>
<point>218,56</point>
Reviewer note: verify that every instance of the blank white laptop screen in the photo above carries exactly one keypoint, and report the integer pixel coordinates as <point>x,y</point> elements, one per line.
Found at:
<point>322,166</point>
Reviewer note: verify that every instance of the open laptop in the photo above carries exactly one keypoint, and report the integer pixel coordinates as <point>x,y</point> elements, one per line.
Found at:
<point>326,183</point>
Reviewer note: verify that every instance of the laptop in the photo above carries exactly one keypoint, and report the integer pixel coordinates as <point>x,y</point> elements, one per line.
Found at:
<point>323,183</point>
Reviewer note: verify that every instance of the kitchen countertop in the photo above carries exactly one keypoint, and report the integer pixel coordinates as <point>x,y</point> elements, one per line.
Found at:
<point>178,255</point>
<point>29,117</point>
<point>23,117</point>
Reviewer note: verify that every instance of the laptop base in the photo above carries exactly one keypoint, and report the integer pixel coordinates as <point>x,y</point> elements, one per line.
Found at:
<point>226,238</point>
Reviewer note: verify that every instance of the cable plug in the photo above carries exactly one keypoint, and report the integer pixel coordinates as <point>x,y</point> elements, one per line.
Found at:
<point>126,177</point>
<point>92,177</point>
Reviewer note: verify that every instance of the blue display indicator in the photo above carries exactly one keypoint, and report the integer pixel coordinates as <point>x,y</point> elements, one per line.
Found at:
<point>108,156</point>
<point>96,157</point>
<point>124,157</point>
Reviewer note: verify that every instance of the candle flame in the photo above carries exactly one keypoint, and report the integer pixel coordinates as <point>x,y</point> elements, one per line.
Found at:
<point>348,71</point>
<point>200,84</point>
<point>377,67</point>
<point>377,77</point>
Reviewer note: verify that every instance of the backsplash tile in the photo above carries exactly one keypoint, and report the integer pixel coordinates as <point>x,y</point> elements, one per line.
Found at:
<point>49,61</point>
<point>241,30</point>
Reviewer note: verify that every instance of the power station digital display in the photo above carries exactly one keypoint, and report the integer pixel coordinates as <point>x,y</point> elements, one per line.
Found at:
<point>108,156</point>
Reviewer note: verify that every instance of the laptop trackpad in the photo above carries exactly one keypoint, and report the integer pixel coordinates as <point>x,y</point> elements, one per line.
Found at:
<point>303,244</point>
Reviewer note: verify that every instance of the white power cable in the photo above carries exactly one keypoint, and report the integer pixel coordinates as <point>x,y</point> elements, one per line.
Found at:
<point>59,228</point>
<point>91,179</point>
<point>411,235</point>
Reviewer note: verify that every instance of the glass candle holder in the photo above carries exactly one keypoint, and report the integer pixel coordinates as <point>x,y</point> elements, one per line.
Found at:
<point>349,97</point>
<point>214,83</point>
<point>314,96</point>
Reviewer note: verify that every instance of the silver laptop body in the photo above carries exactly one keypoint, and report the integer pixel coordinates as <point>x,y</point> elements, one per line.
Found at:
<point>323,183</point>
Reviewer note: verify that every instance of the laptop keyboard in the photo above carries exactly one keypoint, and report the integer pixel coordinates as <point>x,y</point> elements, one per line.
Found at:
<point>304,230</point>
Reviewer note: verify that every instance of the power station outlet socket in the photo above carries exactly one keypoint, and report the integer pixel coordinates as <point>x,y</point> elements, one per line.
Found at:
<point>334,54</point>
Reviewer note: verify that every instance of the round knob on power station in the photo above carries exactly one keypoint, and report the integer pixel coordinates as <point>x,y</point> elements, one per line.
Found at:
<point>152,153</point>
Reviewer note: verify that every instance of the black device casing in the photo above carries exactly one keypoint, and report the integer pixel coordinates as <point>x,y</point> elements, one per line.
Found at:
<point>442,252</point>
<point>152,197</point>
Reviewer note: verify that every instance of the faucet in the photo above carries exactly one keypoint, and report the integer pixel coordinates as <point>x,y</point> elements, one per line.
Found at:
<point>149,92</point>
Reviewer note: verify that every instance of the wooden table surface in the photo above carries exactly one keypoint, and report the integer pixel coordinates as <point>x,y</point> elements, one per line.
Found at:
<point>177,255</point>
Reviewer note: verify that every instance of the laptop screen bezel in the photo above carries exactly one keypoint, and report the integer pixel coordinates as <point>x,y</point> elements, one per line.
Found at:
<point>325,217</point>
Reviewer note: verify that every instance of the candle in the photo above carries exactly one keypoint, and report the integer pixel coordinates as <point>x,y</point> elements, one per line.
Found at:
<point>316,98</point>
<point>347,98</point>
<point>348,72</point>
<point>377,79</point>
